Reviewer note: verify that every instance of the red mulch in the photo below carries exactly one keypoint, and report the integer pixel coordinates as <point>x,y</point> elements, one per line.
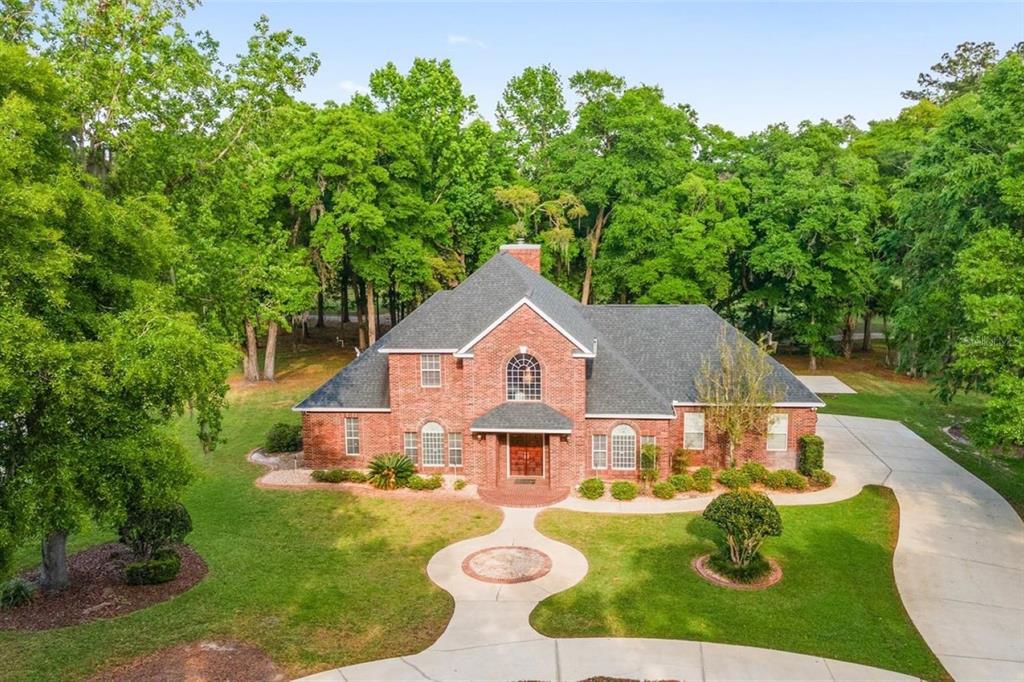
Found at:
<point>700,564</point>
<point>208,661</point>
<point>97,590</point>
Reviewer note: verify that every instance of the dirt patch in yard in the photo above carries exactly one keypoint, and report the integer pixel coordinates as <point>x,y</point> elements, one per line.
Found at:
<point>208,661</point>
<point>97,590</point>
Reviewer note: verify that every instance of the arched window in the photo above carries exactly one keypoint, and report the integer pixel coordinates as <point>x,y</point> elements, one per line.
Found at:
<point>432,444</point>
<point>623,447</point>
<point>523,378</point>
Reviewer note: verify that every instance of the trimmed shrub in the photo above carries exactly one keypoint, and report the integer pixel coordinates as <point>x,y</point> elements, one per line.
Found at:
<point>460,483</point>
<point>147,530</point>
<point>746,518</point>
<point>355,476</point>
<point>390,471</point>
<point>734,479</point>
<point>776,480</point>
<point>328,475</point>
<point>755,471</point>
<point>810,454</point>
<point>681,482</point>
<point>592,488</point>
<point>821,478</point>
<point>702,479</point>
<point>163,567</point>
<point>15,592</point>
<point>284,438</point>
<point>794,479</point>
<point>624,490</point>
<point>664,490</point>
<point>417,482</point>
<point>680,461</point>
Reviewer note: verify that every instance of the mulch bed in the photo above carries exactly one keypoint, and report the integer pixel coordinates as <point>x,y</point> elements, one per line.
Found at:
<point>700,564</point>
<point>208,660</point>
<point>97,590</point>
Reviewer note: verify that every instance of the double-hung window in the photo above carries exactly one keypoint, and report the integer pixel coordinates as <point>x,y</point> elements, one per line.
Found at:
<point>455,449</point>
<point>352,436</point>
<point>599,451</point>
<point>432,437</point>
<point>409,442</point>
<point>430,370</point>
<point>778,432</point>
<point>693,430</point>
<point>648,440</point>
<point>623,447</point>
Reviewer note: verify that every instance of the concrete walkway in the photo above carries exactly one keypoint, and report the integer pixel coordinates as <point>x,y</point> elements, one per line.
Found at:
<point>959,566</point>
<point>824,383</point>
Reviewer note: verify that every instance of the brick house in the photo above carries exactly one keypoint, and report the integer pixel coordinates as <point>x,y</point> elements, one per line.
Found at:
<point>506,380</point>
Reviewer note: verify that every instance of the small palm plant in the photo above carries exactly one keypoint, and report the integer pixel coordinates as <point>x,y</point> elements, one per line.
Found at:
<point>390,471</point>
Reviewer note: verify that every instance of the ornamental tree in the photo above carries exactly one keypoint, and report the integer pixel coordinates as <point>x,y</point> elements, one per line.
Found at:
<point>747,518</point>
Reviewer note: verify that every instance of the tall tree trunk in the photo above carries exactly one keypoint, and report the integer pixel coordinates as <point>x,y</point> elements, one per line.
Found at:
<point>813,363</point>
<point>393,304</point>
<point>360,316</point>
<point>251,358</point>
<point>269,356</point>
<point>371,314</point>
<point>848,336</point>
<point>55,561</point>
<point>346,277</point>
<point>320,309</point>
<point>595,239</point>
<point>865,343</point>
<point>888,345</point>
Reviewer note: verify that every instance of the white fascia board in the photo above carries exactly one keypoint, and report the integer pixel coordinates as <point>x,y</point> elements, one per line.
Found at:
<point>629,416</point>
<point>340,409</point>
<point>581,354</point>
<point>818,404</point>
<point>442,351</point>
<point>521,302</point>
<point>497,430</point>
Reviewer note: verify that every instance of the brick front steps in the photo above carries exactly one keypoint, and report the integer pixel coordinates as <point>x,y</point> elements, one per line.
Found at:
<point>523,496</point>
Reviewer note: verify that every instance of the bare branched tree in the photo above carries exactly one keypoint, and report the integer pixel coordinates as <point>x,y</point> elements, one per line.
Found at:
<point>736,385</point>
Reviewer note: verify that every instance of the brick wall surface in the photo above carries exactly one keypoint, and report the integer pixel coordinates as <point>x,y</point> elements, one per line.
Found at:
<point>472,386</point>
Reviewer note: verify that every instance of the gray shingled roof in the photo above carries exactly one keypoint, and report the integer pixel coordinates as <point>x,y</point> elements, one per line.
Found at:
<point>647,356</point>
<point>523,416</point>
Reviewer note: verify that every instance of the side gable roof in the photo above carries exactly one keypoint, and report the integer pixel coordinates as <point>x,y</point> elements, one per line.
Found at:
<point>360,386</point>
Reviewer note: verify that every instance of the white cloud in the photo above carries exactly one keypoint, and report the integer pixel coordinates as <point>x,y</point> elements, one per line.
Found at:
<point>465,40</point>
<point>352,87</point>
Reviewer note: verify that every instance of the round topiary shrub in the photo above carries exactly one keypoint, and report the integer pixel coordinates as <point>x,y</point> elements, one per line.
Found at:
<point>624,490</point>
<point>592,488</point>
<point>664,490</point>
<point>390,471</point>
<point>702,479</point>
<point>15,592</point>
<point>810,454</point>
<point>746,518</point>
<point>734,479</point>
<point>821,478</point>
<point>162,568</point>
<point>755,471</point>
<point>284,438</point>
<point>681,482</point>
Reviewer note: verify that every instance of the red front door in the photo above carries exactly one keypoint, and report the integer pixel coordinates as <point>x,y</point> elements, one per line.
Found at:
<point>526,454</point>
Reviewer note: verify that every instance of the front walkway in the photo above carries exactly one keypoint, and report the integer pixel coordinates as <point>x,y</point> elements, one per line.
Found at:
<point>959,566</point>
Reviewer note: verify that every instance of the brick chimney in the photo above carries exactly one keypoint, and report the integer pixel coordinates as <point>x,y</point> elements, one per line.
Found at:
<point>528,254</point>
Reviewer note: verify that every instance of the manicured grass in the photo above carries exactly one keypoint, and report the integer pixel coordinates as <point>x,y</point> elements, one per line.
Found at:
<point>316,578</point>
<point>884,394</point>
<point>837,598</point>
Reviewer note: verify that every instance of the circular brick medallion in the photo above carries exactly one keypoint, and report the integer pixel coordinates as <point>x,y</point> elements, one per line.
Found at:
<point>507,564</point>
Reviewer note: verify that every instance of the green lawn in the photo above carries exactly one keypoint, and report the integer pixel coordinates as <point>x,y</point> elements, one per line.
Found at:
<point>837,599</point>
<point>316,578</point>
<point>884,394</point>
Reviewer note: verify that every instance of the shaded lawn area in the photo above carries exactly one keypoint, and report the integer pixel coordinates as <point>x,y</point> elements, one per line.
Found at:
<point>884,394</point>
<point>837,598</point>
<point>318,579</point>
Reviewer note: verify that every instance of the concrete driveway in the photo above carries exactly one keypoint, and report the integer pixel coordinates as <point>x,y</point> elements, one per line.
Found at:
<point>959,561</point>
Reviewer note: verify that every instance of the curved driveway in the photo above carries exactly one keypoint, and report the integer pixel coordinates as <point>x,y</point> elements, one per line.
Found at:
<point>959,567</point>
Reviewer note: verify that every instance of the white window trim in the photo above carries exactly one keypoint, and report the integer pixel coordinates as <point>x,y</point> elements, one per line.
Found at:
<point>593,450</point>
<point>778,416</point>
<point>611,449</point>
<point>424,370</point>
<point>429,430</point>
<point>462,452</point>
<point>358,437</point>
<point>415,456</point>
<point>702,432</point>
<point>540,374</point>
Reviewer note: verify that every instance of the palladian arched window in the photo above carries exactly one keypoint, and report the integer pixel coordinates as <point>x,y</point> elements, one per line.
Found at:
<point>522,378</point>
<point>623,447</point>
<point>432,444</point>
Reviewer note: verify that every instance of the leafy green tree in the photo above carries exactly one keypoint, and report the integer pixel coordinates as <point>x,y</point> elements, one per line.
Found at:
<point>531,114</point>
<point>958,73</point>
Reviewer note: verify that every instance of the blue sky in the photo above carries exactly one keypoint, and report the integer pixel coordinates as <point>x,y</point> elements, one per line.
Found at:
<point>739,65</point>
